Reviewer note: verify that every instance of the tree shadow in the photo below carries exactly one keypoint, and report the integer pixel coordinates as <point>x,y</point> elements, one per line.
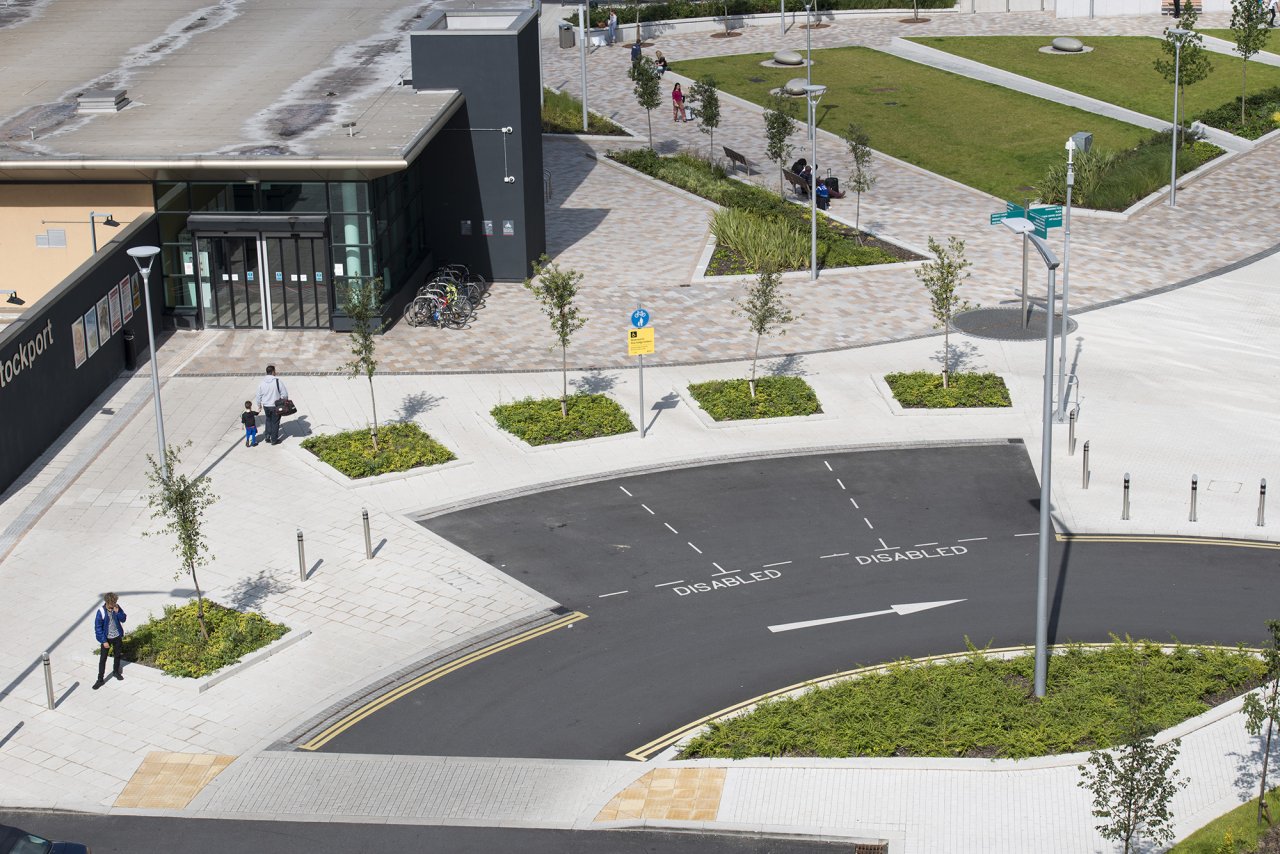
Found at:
<point>416,403</point>
<point>594,381</point>
<point>790,365</point>
<point>965,356</point>
<point>250,592</point>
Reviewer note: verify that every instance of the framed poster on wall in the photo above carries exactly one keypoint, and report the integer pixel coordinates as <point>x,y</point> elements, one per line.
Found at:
<point>91,330</point>
<point>113,303</point>
<point>136,286</point>
<point>77,341</point>
<point>104,320</point>
<point>126,302</point>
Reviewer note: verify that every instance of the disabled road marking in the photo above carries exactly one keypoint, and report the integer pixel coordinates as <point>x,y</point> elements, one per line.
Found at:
<point>892,609</point>
<point>616,593</point>
<point>837,554</point>
<point>779,563</point>
<point>971,540</point>
<point>669,583</point>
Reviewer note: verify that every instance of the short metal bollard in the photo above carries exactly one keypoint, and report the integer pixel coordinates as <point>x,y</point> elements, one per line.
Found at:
<point>48,678</point>
<point>302,558</point>
<point>1195,486</point>
<point>1262,503</point>
<point>368,541</point>
<point>1124,511</point>
<point>1084,473</point>
<point>1071,436</point>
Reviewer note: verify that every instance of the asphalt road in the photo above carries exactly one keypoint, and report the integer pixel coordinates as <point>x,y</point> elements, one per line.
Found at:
<point>681,575</point>
<point>119,834</point>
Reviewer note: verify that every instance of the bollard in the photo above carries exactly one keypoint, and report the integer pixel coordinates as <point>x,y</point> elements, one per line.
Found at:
<point>368,543</point>
<point>1124,512</point>
<point>48,678</point>
<point>1071,436</point>
<point>1195,485</point>
<point>1084,472</point>
<point>1262,503</point>
<point>302,559</point>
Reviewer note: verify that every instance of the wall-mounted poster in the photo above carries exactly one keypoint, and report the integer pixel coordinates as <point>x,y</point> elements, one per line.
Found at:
<point>126,302</point>
<point>113,303</point>
<point>136,287</point>
<point>508,228</point>
<point>466,227</point>
<point>91,330</point>
<point>104,321</point>
<point>488,227</point>
<point>77,341</point>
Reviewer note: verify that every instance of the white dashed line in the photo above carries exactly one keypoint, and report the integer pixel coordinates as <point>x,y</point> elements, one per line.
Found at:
<point>779,563</point>
<point>669,583</point>
<point>646,507</point>
<point>1034,534</point>
<point>695,548</point>
<point>828,465</point>
<point>971,540</point>
<point>624,489</point>
<point>674,531</point>
<point>841,482</point>
<point>922,545</point>
<point>837,554</point>
<point>607,595</point>
<point>868,521</point>
<point>723,571</point>
<point>855,504</point>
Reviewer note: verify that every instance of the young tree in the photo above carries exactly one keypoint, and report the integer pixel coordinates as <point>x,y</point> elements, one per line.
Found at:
<point>1195,64</point>
<point>766,310</point>
<point>1265,709</point>
<point>182,501</point>
<point>941,277</point>
<point>860,178</point>
<point>555,290</point>
<point>648,93</point>
<point>779,124</point>
<point>704,94</point>
<point>1250,34</point>
<point>364,306</point>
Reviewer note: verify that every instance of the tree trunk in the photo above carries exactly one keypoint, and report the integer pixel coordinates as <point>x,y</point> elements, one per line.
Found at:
<point>1244,74</point>
<point>204,630</point>
<point>857,216</point>
<point>564,387</point>
<point>782,191</point>
<point>373,403</point>
<point>712,152</point>
<point>946,352</point>
<point>754,357</point>
<point>648,114</point>
<point>1266,754</point>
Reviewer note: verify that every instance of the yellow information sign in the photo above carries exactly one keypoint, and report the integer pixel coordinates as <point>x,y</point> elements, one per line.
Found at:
<point>640,342</point>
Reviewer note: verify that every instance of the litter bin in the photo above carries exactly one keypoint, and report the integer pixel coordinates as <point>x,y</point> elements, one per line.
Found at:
<point>567,36</point>
<point>130,351</point>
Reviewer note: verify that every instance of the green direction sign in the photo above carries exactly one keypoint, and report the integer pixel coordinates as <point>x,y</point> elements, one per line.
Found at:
<point>1014,210</point>
<point>997,218</point>
<point>1047,216</point>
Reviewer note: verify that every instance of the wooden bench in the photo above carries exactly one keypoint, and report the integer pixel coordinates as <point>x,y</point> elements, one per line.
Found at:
<point>798,185</point>
<point>737,159</point>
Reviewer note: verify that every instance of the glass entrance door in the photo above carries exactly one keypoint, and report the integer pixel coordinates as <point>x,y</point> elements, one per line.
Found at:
<point>298,286</point>
<point>234,290</point>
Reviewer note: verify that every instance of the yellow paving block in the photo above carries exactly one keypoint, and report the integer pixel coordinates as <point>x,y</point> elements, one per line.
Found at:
<point>170,780</point>
<point>675,794</point>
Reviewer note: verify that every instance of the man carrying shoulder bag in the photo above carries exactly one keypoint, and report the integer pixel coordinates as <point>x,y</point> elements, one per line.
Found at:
<point>274,400</point>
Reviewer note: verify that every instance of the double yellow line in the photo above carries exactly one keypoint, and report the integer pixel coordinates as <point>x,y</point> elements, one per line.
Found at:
<point>1181,541</point>
<point>350,720</point>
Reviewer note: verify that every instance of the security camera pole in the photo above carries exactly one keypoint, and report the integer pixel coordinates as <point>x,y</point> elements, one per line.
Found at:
<point>1082,142</point>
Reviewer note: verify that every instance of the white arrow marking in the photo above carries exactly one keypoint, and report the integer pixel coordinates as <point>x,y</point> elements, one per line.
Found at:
<point>893,609</point>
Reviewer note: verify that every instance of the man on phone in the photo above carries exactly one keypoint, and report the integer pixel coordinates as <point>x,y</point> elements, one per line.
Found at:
<point>108,628</point>
<point>271,390</point>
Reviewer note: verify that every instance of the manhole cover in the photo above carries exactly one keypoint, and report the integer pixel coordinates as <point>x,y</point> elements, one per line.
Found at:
<point>1005,324</point>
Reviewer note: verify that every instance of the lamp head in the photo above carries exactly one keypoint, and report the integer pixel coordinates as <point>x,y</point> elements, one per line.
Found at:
<point>144,257</point>
<point>13,298</point>
<point>111,221</point>
<point>1178,32</point>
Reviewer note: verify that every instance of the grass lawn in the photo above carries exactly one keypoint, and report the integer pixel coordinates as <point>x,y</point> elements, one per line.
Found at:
<point>1118,70</point>
<point>1240,826</point>
<point>1272,44</point>
<point>562,113</point>
<point>978,134</point>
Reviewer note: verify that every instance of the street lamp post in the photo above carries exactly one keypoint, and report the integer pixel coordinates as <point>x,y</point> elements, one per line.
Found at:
<point>1081,141</point>
<point>1023,226</point>
<point>582,53</point>
<point>144,257</point>
<point>1178,36</point>
<point>813,94</point>
<point>107,220</point>
<point>1046,463</point>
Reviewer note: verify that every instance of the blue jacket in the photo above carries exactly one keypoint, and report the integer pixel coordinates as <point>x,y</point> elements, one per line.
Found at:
<point>100,623</point>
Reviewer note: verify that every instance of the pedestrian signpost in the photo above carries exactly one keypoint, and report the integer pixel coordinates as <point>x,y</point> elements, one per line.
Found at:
<point>1037,220</point>
<point>1045,217</point>
<point>640,343</point>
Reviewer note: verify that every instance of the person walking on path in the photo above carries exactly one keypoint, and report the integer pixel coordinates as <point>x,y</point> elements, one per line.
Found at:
<point>677,104</point>
<point>613,27</point>
<point>108,628</point>
<point>249,419</point>
<point>637,51</point>
<point>271,390</point>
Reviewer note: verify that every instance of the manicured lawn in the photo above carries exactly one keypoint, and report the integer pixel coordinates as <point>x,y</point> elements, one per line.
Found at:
<point>1118,70</point>
<point>1241,823</point>
<point>976,133</point>
<point>1272,44</point>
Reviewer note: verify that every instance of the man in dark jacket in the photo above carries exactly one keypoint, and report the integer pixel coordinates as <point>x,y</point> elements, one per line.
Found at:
<point>108,628</point>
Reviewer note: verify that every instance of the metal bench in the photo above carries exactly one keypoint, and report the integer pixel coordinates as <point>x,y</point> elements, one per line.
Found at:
<point>736,159</point>
<point>798,184</point>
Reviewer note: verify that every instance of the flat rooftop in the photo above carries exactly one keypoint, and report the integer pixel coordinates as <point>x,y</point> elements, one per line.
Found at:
<point>271,88</point>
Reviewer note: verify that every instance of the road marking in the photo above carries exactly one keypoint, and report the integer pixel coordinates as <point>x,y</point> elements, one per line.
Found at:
<point>779,563</point>
<point>669,583</point>
<point>884,548</point>
<point>971,540</point>
<point>1034,534</point>
<point>841,482</point>
<point>646,507</point>
<point>607,595</point>
<point>837,554</point>
<point>723,571</point>
<point>669,528</point>
<point>868,521</point>
<point>1184,541</point>
<point>624,489</point>
<point>695,548</point>
<point>922,545</point>
<point>892,609</point>
<point>828,465</point>
<point>855,504</point>
<point>394,694</point>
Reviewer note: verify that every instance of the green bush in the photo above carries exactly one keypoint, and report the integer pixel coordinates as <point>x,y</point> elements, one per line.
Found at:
<point>401,446</point>
<point>923,390</point>
<point>776,397</point>
<point>977,706</point>
<point>562,113</point>
<point>173,642</point>
<point>675,10</point>
<point>539,422</point>
<point>1261,114</point>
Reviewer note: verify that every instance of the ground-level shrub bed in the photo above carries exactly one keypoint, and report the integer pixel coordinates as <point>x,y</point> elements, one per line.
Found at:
<point>401,447</point>
<point>1237,832</point>
<point>539,422</point>
<point>173,642</point>
<point>776,397</point>
<point>977,706</point>
<point>923,390</point>
<point>1261,114</point>
<point>562,113</point>
<point>675,10</point>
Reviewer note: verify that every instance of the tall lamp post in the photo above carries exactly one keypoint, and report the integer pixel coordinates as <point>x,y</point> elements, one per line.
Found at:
<point>1046,462</point>
<point>1023,226</point>
<point>813,94</point>
<point>582,53</point>
<point>1081,141</point>
<point>107,220</point>
<point>144,257</point>
<point>1178,35</point>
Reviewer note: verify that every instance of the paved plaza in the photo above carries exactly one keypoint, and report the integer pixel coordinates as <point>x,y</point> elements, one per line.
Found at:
<point>1171,384</point>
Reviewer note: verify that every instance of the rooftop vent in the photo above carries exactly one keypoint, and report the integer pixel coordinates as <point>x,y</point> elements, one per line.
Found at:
<point>101,101</point>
